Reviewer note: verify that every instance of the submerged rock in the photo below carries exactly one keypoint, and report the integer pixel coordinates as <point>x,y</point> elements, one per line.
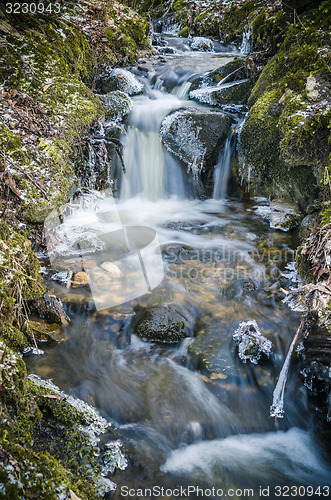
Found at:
<point>195,136</point>
<point>168,324</point>
<point>234,92</point>
<point>117,103</point>
<point>120,79</point>
<point>251,344</point>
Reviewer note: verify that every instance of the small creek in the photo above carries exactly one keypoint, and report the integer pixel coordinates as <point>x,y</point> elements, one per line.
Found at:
<point>191,413</point>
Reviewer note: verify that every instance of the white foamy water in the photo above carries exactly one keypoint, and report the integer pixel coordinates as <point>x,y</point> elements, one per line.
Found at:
<point>270,458</point>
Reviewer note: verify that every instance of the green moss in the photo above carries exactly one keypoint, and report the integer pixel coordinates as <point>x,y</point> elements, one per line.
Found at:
<point>286,134</point>
<point>183,32</point>
<point>235,20</point>
<point>129,32</point>
<point>63,459</point>
<point>303,266</point>
<point>20,281</point>
<point>269,28</point>
<point>264,149</point>
<point>326,215</point>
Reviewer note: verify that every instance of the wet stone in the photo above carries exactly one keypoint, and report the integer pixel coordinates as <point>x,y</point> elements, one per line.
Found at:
<point>50,308</point>
<point>80,279</point>
<point>42,331</point>
<point>168,324</point>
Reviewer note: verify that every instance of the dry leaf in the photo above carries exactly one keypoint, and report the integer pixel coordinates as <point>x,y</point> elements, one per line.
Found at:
<point>54,396</point>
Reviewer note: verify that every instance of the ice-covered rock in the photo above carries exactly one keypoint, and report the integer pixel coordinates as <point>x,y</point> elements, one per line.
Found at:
<point>284,215</point>
<point>229,72</point>
<point>200,43</point>
<point>233,92</point>
<point>195,136</point>
<point>251,344</point>
<point>117,103</point>
<point>119,79</point>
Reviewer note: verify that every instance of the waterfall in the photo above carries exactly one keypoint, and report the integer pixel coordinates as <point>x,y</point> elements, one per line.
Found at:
<point>168,26</point>
<point>150,170</point>
<point>145,166</point>
<point>222,169</point>
<point>246,42</point>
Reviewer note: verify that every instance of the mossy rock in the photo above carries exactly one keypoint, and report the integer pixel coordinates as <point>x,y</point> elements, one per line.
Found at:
<point>166,324</point>
<point>183,32</point>
<point>229,93</point>
<point>266,167</point>
<point>117,104</point>
<point>43,331</point>
<point>119,79</point>
<point>51,308</point>
<point>19,281</point>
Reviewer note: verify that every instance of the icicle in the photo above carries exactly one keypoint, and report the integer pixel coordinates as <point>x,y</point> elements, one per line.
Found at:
<point>277,407</point>
<point>246,44</point>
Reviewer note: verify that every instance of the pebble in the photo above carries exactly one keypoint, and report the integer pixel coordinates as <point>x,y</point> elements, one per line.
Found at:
<point>81,279</point>
<point>111,268</point>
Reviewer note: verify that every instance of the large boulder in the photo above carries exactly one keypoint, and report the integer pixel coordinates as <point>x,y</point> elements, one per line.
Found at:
<point>280,147</point>
<point>119,79</point>
<point>229,93</point>
<point>117,104</point>
<point>196,136</point>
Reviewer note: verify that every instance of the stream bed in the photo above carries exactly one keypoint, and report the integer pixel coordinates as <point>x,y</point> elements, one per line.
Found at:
<point>190,412</point>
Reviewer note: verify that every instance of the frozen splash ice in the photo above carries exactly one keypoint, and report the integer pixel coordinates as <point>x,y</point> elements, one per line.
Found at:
<point>113,458</point>
<point>251,343</point>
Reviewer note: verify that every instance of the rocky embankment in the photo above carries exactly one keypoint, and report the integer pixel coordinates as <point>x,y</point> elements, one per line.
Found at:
<point>49,64</point>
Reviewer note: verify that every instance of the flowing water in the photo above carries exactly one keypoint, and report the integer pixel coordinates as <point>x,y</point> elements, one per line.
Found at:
<point>191,413</point>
